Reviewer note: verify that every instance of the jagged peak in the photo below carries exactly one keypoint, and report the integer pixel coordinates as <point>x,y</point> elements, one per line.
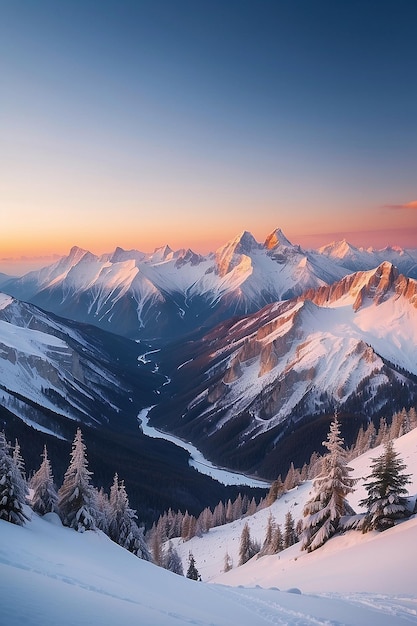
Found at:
<point>373,284</point>
<point>118,251</point>
<point>162,252</point>
<point>277,238</point>
<point>76,253</point>
<point>184,256</point>
<point>121,255</point>
<point>231,253</point>
<point>245,241</point>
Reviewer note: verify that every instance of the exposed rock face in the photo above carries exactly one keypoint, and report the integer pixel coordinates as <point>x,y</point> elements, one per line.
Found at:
<point>372,285</point>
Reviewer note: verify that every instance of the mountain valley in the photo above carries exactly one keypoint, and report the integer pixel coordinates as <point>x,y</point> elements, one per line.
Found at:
<point>244,352</point>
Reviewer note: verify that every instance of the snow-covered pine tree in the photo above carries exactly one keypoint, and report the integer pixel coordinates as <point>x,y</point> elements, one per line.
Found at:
<point>45,497</point>
<point>247,548</point>
<point>172,560</point>
<point>122,526</point>
<point>76,496</point>
<point>102,507</point>
<point>386,501</point>
<point>328,504</point>
<point>19,460</point>
<point>228,563</point>
<point>12,487</point>
<point>244,548</point>
<point>277,543</point>
<point>192,571</point>
<point>269,533</point>
<point>290,536</point>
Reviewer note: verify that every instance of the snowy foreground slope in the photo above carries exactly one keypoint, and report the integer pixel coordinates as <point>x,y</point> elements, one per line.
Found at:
<point>52,575</point>
<point>375,562</point>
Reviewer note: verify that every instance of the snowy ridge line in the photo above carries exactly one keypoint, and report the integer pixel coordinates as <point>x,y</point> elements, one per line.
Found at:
<point>197,460</point>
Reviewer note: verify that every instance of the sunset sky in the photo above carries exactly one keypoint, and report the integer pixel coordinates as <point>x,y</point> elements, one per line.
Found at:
<point>140,123</point>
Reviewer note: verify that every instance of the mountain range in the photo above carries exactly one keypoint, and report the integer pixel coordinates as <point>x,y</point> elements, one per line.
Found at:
<point>251,391</point>
<point>166,294</point>
<point>243,352</point>
<point>56,375</point>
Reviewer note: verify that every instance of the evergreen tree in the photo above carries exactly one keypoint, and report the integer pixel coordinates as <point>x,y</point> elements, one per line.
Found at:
<point>156,546</point>
<point>386,501</point>
<point>103,510</point>
<point>290,536</point>
<point>247,548</point>
<point>12,487</point>
<point>251,507</point>
<point>122,526</point>
<point>275,491</point>
<point>383,432</point>
<point>172,560</point>
<point>192,571</point>
<point>293,478</point>
<point>277,543</point>
<point>323,512</point>
<point>229,512</point>
<point>205,520</point>
<point>219,515</point>
<point>185,528</point>
<point>244,548</point>
<point>18,460</point>
<point>269,533</point>
<point>76,495</point>
<point>228,563</point>
<point>45,497</point>
<point>412,418</point>
<point>370,437</point>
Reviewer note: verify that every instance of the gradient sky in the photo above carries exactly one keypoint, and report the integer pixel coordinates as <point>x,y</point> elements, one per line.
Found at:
<point>140,123</point>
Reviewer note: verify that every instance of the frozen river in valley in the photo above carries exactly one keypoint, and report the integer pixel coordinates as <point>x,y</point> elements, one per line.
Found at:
<point>197,460</point>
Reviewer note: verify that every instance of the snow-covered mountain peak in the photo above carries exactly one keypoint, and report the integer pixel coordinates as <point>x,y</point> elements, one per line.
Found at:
<point>277,238</point>
<point>187,256</point>
<point>120,255</point>
<point>243,243</point>
<point>339,250</point>
<point>230,255</point>
<point>76,254</point>
<point>161,254</point>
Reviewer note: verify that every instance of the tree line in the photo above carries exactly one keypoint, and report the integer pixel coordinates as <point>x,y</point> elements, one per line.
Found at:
<point>78,503</point>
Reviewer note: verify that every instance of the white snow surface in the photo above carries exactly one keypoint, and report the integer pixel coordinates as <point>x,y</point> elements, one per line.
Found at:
<point>52,575</point>
<point>353,563</point>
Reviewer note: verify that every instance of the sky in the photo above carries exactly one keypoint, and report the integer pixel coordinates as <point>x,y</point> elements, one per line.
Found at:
<point>140,123</point>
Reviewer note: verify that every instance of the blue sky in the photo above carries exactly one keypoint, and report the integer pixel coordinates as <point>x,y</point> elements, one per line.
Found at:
<point>141,123</point>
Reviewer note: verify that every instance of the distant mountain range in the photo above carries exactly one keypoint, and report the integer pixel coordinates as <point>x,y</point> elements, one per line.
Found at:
<point>166,294</point>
